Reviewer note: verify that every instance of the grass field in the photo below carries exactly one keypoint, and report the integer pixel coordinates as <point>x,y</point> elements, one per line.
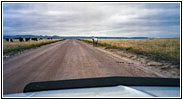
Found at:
<point>158,49</point>
<point>14,47</point>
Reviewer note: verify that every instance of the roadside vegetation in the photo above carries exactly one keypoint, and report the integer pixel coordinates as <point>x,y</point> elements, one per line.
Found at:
<point>156,49</point>
<point>11,48</point>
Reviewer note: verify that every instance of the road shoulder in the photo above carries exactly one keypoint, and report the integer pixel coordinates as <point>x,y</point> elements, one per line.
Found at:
<point>161,69</point>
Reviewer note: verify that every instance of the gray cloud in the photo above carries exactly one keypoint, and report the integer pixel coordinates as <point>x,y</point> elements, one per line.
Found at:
<point>88,19</point>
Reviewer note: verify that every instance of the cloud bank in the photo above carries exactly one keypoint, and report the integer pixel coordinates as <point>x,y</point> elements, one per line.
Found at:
<point>92,19</point>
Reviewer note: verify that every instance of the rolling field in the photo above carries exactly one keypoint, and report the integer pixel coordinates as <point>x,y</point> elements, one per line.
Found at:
<point>158,49</point>
<point>14,47</point>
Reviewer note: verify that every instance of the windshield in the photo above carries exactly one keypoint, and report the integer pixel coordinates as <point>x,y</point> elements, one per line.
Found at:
<point>68,40</point>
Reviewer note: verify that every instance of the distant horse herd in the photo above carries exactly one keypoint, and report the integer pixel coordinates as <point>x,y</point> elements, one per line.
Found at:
<point>24,39</point>
<point>94,40</point>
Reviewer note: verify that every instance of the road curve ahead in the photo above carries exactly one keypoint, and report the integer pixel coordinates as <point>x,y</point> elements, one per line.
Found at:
<point>69,59</point>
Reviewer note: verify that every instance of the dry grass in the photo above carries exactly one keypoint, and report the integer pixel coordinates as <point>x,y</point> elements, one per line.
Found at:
<point>14,47</point>
<point>160,49</point>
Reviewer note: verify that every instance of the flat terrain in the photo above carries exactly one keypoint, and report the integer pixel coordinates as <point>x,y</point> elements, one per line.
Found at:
<point>167,49</point>
<point>11,48</point>
<point>68,59</point>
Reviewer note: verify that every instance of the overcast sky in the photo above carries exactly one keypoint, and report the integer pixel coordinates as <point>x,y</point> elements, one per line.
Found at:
<point>92,19</point>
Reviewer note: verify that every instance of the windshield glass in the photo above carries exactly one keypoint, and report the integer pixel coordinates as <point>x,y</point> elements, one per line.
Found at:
<point>68,40</point>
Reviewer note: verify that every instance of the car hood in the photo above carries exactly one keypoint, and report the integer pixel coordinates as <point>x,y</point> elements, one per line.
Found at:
<point>112,91</point>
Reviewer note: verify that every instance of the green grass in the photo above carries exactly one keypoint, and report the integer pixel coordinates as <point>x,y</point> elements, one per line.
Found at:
<point>156,49</point>
<point>11,48</point>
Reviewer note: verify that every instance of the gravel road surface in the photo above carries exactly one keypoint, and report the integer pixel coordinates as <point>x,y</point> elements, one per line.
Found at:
<point>68,59</point>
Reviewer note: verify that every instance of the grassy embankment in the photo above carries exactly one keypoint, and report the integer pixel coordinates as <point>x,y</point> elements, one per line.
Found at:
<point>14,47</point>
<point>156,49</point>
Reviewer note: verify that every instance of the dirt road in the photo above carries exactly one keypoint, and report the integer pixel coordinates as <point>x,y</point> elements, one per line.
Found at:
<point>69,59</point>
